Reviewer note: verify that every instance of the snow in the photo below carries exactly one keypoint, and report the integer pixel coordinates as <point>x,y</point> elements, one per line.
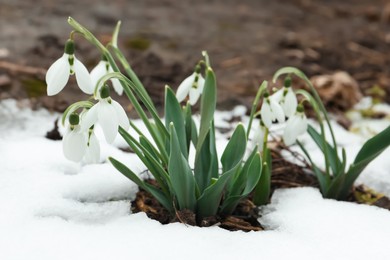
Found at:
<point>55,209</point>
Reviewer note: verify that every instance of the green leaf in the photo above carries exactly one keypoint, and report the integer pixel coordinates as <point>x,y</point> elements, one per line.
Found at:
<point>334,160</point>
<point>247,181</point>
<point>174,114</point>
<point>188,125</point>
<point>159,195</point>
<point>207,106</point>
<point>206,164</point>
<point>235,149</point>
<point>370,150</point>
<point>153,165</point>
<point>263,188</point>
<point>182,179</point>
<point>208,203</point>
<point>237,184</point>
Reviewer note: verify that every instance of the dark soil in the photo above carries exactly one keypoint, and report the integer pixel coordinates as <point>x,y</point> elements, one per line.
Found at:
<point>247,41</point>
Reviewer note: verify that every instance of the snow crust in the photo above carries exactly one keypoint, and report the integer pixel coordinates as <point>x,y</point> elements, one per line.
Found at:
<point>55,209</point>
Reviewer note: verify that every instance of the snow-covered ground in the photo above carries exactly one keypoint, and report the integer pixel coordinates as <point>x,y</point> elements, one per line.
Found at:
<point>51,208</point>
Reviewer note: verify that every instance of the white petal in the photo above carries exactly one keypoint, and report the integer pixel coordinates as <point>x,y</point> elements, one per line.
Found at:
<point>92,154</point>
<point>117,86</point>
<point>194,95</point>
<point>82,77</point>
<point>57,75</point>
<point>258,137</point>
<point>266,114</point>
<point>123,120</point>
<point>277,96</point>
<point>290,103</point>
<point>98,72</point>
<point>108,120</point>
<point>89,118</point>
<point>184,88</point>
<point>293,128</point>
<point>201,82</point>
<point>74,145</point>
<point>277,111</point>
<point>302,126</point>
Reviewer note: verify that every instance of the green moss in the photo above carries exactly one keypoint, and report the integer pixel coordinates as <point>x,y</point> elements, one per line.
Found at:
<point>34,87</point>
<point>377,93</point>
<point>138,43</point>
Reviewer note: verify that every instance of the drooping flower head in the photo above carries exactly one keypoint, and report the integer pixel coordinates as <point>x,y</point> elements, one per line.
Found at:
<point>286,98</point>
<point>258,137</point>
<point>92,153</point>
<point>296,125</point>
<point>101,69</point>
<point>74,142</point>
<point>192,86</point>
<point>108,113</point>
<point>270,111</point>
<point>58,74</point>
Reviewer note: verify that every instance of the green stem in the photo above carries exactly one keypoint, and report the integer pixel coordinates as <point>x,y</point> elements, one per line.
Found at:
<point>260,91</point>
<point>129,71</point>
<point>317,110</point>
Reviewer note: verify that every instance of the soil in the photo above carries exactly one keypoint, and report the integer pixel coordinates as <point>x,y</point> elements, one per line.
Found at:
<point>247,42</point>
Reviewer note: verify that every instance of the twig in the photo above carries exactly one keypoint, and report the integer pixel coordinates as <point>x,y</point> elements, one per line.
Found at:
<point>18,68</point>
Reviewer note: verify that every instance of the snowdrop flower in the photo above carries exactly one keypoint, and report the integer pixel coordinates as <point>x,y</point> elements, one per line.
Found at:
<point>258,137</point>
<point>74,142</point>
<point>270,111</point>
<point>58,74</point>
<point>192,86</point>
<point>109,113</point>
<point>296,125</point>
<point>101,69</point>
<point>286,98</point>
<point>92,153</point>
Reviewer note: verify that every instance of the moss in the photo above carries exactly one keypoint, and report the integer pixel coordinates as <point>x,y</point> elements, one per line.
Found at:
<point>34,87</point>
<point>138,43</point>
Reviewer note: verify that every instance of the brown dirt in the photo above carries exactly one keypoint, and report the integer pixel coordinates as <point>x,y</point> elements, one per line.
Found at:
<point>247,41</point>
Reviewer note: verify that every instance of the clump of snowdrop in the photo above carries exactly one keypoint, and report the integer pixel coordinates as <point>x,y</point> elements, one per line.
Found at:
<point>216,184</point>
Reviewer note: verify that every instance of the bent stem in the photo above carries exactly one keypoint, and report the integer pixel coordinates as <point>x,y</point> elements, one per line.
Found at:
<point>259,93</point>
<point>123,80</point>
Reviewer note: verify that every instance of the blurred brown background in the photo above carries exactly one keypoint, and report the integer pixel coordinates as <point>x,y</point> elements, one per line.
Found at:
<point>163,39</point>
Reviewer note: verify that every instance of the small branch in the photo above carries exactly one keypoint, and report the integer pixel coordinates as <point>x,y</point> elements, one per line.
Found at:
<point>18,68</point>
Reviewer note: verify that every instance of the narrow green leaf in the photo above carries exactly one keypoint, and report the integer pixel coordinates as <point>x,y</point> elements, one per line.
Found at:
<point>208,203</point>
<point>148,159</point>
<point>174,114</point>
<point>182,179</point>
<point>370,150</point>
<point>262,190</point>
<point>252,174</point>
<point>334,161</point>
<point>159,195</point>
<point>188,125</point>
<point>207,106</point>
<point>235,149</point>
<point>206,164</point>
